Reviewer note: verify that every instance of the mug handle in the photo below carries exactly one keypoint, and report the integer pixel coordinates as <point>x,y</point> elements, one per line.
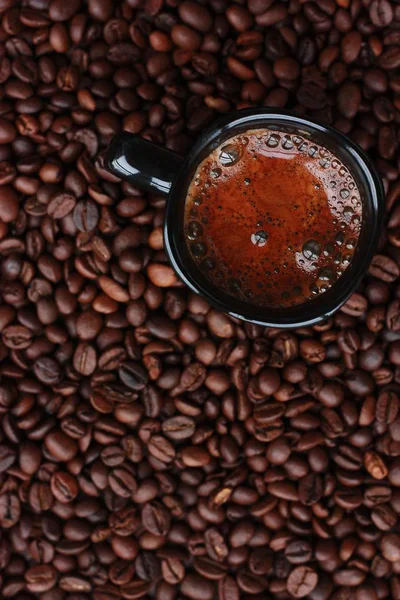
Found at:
<point>149,167</point>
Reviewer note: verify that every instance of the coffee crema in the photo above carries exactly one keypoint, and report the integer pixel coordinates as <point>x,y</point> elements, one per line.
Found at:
<point>272,218</point>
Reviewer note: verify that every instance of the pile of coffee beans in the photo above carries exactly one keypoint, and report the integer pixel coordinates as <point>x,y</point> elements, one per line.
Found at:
<point>150,446</point>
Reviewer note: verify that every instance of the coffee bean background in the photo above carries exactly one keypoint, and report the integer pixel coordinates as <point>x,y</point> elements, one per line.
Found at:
<point>151,447</point>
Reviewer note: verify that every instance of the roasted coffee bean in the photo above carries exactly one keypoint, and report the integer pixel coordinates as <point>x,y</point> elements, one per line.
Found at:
<point>387,407</point>
<point>384,517</point>
<point>7,458</point>
<point>195,16</point>
<point>209,568</point>
<point>390,547</point>
<point>47,370</point>
<point>84,359</point>
<point>40,578</point>
<point>122,482</point>
<point>17,337</point>
<point>86,215</point>
<point>132,375</point>
<point>298,552</point>
<point>179,428</point>
<point>61,205</point>
<point>64,487</point>
<point>375,465</point>
<point>134,590</point>
<point>195,586</point>
<point>173,570</point>
<point>310,489</point>
<point>156,519</point>
<point>60,446</point>
<point>10,509</point>
<point>215,545</point>
<point>228,589</point>
<point>381,13</point>
<point>301,582</point>
<point>250,583</point>
<point>384,268</point>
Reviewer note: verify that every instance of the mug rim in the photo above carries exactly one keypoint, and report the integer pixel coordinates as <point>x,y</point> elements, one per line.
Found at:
<point>311,311</point>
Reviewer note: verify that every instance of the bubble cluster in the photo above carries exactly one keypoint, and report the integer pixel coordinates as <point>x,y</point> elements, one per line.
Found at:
<point>311,250</point>
<point>208,264</point>
<point>259,238</point>
<point>194,230</point>
<point>339,238</point>
<point>348,212</point>
<point>326,274</point>
<point>215,173</point>
<point>230,154</point>
<point>199,249</point>
<point>287,143</point>
<point>273,140</point>
<point>325,163</point>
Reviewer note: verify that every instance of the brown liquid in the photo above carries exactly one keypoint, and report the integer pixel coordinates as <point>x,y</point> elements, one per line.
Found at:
<point>272,218</point>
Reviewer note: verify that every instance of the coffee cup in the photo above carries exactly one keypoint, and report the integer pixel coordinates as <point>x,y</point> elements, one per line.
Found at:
<point>163,172</point>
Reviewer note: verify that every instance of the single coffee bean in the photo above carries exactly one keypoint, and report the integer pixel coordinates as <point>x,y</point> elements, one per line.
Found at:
<point>390,547</point>
<point>375,465</point>
<point>377,494</point>
<point>250,583</point>
<point>387,407</point>
<point>215,545</point>
<point>298,552</point>
<point>384,517</point>
<point>156,519</point>
<point>47,370</point>
<point>70,583</point>
<point>7,458</point>
<point>301,581</point>
<point>134,590</point>
<point>173,570</point>
<point>64,487</point>
<point>195,16</point>
<point>384,268</point>
<point>209,568</point>
<point>122,482</point>
<point>10,509</point>
<point>60,446</point>
<point>310,489</point>
<point>161,448</point>
<point>133,375</point>
<point>59,12</point>
<point>40,578</point>
<point>381,13</point>
<point>61,205</point>
<point>228,589</point>
<point>84,359</point>
<point>17,337</point>
<point>86,215</point>
<point>179,428</point>
<point>195,586</point>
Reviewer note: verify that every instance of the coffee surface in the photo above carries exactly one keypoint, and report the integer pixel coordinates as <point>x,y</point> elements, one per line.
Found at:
<point>272,217</point>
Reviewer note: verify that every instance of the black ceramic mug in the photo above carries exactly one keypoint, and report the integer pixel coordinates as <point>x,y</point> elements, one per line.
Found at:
<point>161,171</point>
